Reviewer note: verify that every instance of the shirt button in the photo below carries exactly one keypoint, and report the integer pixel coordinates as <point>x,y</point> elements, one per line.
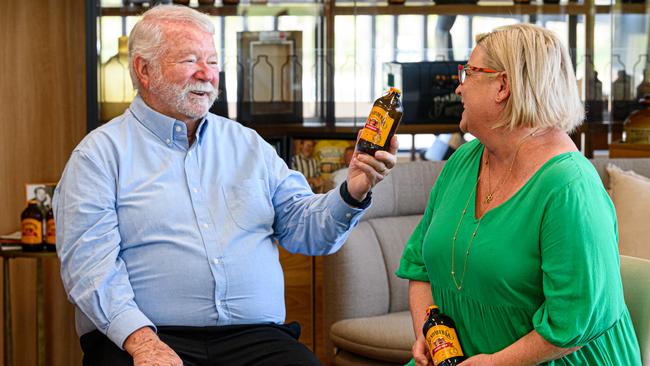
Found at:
<point>195,190</point>
<point>178,128</point>
<point>348,215</point>
<point>189,153</point>
<point>205,225</point>
<point>168,141</point>
<point>216,261</point>
<point>219,303</point>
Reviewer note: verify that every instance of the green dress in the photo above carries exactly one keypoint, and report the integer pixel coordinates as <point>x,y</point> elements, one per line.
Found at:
<point>546,259</point>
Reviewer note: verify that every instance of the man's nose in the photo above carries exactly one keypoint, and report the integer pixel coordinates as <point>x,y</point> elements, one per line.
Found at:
<point>207,72</point>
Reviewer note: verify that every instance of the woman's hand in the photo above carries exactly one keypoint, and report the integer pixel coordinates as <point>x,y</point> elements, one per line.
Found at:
<point>420,352</point>
<point>479,360</point>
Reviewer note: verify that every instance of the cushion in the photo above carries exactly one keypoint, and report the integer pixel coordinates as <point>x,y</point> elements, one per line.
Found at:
<point>386,337</point>
<point>635,273</point>
<point>631,196</point>
<point>344,358</point>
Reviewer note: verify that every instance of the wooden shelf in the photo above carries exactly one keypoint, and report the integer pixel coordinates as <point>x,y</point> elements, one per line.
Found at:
<point>428,8</point>
<point>412,8</point>
<point>627,150</point>
<point>231,10</point>
<point>345,132</point>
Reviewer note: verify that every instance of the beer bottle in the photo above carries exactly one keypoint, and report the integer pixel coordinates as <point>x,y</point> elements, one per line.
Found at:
<point>31,224</point>
<point>440,334</point>
<point>50,231</point>
<point>385,115</point>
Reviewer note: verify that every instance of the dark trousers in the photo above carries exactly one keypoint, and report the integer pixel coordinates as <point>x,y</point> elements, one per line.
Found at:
<point>233,345</point>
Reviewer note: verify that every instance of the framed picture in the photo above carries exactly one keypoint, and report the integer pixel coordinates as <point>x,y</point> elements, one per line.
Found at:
<point>42,193</point>
<point>280,145</point>
<point>323,162</point>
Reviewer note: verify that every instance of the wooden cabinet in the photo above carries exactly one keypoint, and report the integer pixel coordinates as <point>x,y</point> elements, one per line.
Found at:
<point>627,150</point>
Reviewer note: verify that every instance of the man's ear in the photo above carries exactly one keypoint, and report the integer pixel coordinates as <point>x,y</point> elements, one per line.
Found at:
<point>504,88</point>
<point>142,70</point>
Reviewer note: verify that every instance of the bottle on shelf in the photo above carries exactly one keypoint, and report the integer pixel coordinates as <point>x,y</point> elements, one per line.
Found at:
<point>441,338</point>
<point>643,89</point>
<point>637,125</point>
<point>50,231</point>
<point>206,2</point>
<point>382,123</point>
<point>116,89</point>
<point>182,2</point>
<point>31,226</point>
<point>621,96</point>
<point>593,94</point>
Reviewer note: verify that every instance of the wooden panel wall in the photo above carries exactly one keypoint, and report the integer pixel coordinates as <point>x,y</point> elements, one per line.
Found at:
<point>42,118</point>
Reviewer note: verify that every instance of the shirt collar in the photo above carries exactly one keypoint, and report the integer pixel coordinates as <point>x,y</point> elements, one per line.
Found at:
<point>167,129</point>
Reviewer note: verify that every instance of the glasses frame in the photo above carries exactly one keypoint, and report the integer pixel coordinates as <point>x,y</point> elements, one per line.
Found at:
<point>462,71</point>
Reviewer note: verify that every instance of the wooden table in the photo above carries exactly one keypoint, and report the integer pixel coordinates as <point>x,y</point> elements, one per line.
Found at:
<point>7,255</point>
<point>627,150</point>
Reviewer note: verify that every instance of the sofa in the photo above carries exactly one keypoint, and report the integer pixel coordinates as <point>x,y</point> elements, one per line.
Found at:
<point>366,317</point>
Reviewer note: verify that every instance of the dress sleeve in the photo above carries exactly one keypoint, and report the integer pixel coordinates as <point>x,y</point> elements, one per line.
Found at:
<point>580,265</point>
<point>411,266</point>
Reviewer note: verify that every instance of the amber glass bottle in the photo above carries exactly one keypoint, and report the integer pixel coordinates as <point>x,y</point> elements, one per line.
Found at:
<point>382,123</point>
<point>50,231</point>
<point>440,334</point>
<point>31,225</point>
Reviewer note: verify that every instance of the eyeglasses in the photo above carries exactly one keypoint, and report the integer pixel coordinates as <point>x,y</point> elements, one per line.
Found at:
<point>462,71</point>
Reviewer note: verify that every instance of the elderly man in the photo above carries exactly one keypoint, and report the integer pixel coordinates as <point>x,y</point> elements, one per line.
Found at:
<point>169,216</point>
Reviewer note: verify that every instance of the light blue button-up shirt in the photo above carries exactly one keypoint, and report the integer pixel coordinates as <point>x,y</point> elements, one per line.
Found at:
<point>152,231</point>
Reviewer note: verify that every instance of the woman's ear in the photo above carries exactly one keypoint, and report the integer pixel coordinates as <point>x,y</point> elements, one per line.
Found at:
<point>504,88</point>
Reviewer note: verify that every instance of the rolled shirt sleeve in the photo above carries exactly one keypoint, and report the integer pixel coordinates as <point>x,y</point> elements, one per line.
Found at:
<point>88,244</point>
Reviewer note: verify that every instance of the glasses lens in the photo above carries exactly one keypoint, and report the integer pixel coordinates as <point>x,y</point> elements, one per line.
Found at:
<point>461,75</point>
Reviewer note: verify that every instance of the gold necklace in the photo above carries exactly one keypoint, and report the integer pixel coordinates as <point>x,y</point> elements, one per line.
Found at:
<point>488,199</point>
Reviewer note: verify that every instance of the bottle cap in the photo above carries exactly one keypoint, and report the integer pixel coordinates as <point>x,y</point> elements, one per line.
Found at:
<point>431,308</point>
<point>394,90</point>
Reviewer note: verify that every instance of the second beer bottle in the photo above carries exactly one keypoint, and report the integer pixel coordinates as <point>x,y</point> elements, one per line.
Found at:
<point>440,334</point>
<point>382,123</point>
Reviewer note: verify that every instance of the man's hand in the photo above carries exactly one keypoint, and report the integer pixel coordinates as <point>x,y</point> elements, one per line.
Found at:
<point>420,352</point>
<point>148,350</point>
<point>366,171</point>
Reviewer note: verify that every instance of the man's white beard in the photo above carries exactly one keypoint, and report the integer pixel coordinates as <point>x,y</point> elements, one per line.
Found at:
<point>181,98</point>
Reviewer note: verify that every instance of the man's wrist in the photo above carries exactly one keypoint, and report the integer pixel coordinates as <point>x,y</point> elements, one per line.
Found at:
<point>347,197</point>
<point>139,338</point>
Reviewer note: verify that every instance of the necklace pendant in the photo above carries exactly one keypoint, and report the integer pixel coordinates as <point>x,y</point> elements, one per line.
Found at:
<point>488,198</point>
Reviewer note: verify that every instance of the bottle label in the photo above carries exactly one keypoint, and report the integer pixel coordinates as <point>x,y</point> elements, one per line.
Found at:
<point>443,343</point>
<point>377,126</point>
<point>50,235</point>
<point>32,231</point>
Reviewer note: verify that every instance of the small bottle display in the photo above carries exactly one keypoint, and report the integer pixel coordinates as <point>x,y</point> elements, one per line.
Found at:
<point>382,123</point>
<point>50,231</point>
<point>31,225</point>
<point>440,334</point>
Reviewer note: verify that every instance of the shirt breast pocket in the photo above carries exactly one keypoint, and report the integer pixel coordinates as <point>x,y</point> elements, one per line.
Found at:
<point>249,205</point>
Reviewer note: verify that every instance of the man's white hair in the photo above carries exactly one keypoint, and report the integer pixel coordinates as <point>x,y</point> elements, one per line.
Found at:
<point>147,36</point>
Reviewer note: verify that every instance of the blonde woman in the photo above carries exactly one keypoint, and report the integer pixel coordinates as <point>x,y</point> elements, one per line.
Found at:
<point>518,243</point>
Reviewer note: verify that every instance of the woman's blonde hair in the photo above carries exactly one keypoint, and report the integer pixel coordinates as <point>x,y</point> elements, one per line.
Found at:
<point>543,87</point>
<point>147,36</point>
